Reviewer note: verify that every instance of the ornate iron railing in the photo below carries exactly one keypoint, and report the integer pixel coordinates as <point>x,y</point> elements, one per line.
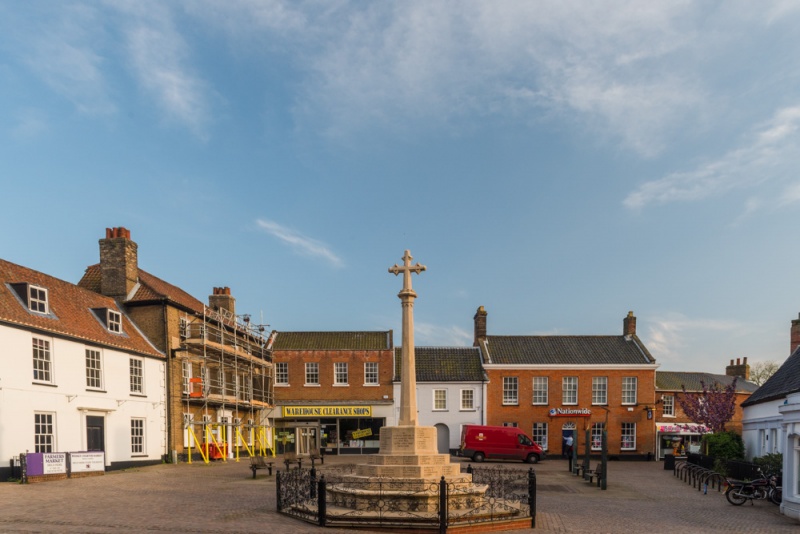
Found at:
<point>334,497</point>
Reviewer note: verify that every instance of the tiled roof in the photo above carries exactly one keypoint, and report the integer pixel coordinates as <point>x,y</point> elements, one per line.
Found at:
<point>785,381</point>
<point>444,364</point>
<point>566,350</point>
<point>674,381</point>
<point>150,288</point>
<point>332,340</point>
<point>71,311</point>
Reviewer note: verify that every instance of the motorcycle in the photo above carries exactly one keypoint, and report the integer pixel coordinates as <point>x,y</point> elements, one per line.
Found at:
<point>764,487</point>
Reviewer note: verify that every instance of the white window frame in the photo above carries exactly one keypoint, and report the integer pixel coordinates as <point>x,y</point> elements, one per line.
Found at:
<point>510,391</point>
<point>668,402</point>
<point>94,369</point>
<point>281,373</point>
<point>312,371</point>
<point>38,301</point>
<point>42,361</point>
<point>569,390</point>
<point>183,328</point>
<point>629,394</point>
<point>599,390</point>
<point>186,376</point>
<point>44,431</point>
<point>341,374</point>
<point>439,400</point>
<point>467,400</point>
<point>187,428</point>
<point>540,390</point>
<point>114,321</point>
<point>136,367</point>
<point>371,376</point>
<point>138,441</point>
<point>539,435</point>
<point>628,437</point>
<point>596,436</point>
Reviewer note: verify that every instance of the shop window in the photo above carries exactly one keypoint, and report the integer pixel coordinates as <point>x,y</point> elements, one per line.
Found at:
<point>539,434</point>
<point>628,441</point>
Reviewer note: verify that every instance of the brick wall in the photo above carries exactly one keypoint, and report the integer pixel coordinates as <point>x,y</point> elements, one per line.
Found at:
<point>524,414</point>
<point>326,391</point>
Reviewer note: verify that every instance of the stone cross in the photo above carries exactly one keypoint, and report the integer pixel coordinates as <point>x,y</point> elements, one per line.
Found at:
<point>408,374</point>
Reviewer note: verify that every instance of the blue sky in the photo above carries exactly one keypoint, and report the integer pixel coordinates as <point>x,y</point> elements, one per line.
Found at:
<point>559,163</point>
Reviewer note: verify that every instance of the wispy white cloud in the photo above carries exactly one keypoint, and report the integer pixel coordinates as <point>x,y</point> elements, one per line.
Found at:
<point>30,123</point>
<point>670,338</point>
<point>302,244</point>
<point>771,154</point>
<point>429,334</point>
<point>65,55</point>
<point>160,59</point>
<point>451,63</point>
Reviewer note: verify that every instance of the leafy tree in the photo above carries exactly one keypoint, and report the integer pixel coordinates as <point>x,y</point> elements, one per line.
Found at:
<point>724,445</point>
<point>761,371</point>
<point>713,407</point>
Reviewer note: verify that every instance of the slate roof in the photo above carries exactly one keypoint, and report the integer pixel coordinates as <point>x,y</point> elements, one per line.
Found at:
<point>674,381</point>
<point>332,340</point>
<point>444,364</point>
<point>785,381</point>
<point>71,312</point>
<point>151,289</point>
<point>566,350</point>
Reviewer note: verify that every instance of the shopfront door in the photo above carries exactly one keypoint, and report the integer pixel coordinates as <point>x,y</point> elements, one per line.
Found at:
<point>95,433</point>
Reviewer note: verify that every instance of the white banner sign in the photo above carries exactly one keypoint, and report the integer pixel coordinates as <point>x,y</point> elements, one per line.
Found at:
<point>54,463</point>
<point>83,462</point>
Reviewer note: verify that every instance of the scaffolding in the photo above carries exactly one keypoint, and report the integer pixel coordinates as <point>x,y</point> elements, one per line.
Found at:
<point>227,378</point>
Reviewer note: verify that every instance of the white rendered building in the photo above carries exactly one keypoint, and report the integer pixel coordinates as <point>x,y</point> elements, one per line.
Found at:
<point>75,374</point>
<point>451,391</point>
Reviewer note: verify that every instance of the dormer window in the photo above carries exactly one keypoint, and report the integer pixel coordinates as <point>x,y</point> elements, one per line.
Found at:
<point>37,299</point>
<point>114,322</point>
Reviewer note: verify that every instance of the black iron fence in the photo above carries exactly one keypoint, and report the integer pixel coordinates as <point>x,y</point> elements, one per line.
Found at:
<point>337,498</point>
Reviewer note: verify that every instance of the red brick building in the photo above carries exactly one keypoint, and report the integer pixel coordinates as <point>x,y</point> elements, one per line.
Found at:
<point>333,390</point>
<point>559,386</point>
<point>675,432</point>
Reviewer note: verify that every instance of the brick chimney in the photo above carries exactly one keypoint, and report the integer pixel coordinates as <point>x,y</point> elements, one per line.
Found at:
<point>119,263</point>
<point>222,299</point>
<point>740,369</point>
<point>480,325</point>
<point>794,338</point>
<point>629,325</point>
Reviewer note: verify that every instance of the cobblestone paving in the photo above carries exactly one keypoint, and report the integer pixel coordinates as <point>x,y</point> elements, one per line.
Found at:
<point>223,498</point>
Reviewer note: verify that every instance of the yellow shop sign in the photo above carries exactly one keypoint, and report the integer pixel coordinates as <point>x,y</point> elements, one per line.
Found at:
<point>327,411</point>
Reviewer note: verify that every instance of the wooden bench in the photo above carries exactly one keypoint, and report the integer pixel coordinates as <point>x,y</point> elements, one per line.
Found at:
<point>581,468</point>
<point>316,454</point>
<point>292,458</point>
<point>597,472</point>
<point>260,462</point>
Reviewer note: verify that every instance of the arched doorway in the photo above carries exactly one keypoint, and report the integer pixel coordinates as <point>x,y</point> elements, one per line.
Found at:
<point>442,439</point>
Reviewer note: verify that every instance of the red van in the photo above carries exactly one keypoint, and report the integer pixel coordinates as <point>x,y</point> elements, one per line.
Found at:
<point>498,443</point>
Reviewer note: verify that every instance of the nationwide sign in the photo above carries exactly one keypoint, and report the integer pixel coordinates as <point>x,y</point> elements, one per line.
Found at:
<point>327,411</point>
<point>570,412</point>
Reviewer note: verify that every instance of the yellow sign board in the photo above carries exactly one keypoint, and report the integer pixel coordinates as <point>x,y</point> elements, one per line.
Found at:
<point>358,434</point>
<point>327,411</point>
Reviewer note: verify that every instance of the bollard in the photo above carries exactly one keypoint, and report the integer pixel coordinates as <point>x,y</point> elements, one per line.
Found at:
<point>278,491</point>
<point>322,506</point>
<point>442,506</point>
<point>532,495</point>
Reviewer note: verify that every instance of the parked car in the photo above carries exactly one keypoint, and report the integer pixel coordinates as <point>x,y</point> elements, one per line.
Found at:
<point>498,443</point>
